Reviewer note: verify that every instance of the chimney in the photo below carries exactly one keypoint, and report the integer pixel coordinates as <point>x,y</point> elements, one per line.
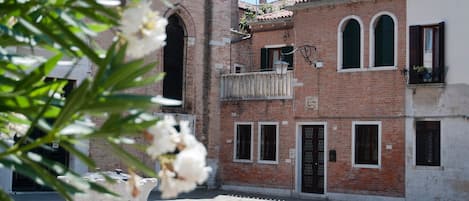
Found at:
<point>262,2</point>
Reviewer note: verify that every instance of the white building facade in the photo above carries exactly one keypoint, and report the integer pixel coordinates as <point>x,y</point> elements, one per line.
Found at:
<point>437,100</point>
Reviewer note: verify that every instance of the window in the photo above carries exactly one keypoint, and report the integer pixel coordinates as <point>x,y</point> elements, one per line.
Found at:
<point>271,55</point>
<point>427,146</point>
<point>366,144</point>
<point>427,54</point>
<point>350,43</point>
<point>173,60</point>
<point>383,41</point>
<point>238,68</point>
<point>243,142</point>
<point>268,142</point>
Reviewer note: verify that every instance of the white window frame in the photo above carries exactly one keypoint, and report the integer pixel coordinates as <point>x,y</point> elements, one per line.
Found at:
<point>235,142</point>
<point>355,123</point>
<point>260,124</point>
<point>374,20</point>
<point>241,66</point>
<point>340,30</point>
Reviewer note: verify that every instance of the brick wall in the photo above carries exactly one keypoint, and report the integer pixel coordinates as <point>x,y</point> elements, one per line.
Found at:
<point>343,97</point>
<point>193,14</point>
<point>274,37</point>
<point>255,174</point>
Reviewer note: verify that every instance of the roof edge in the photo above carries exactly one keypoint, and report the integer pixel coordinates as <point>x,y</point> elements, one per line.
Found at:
<point>319,3</point>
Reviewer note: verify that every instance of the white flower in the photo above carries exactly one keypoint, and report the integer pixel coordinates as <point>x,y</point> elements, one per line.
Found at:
<point>188,168</point>
<point>144,29</point>
<point>164,137</point>
<point>190,164</point>
<point>16,129</point>
<point>171,186</point>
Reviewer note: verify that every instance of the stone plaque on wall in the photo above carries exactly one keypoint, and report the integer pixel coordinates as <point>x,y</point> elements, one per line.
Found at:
<point>311,102</point>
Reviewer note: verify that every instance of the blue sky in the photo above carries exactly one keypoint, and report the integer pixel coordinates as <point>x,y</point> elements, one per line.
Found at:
<point>255,1</point>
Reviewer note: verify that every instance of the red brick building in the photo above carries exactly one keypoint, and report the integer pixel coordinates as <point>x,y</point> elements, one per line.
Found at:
<point>333,124</point>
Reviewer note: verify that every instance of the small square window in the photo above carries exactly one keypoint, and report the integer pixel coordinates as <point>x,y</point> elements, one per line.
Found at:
<point>427,146</point>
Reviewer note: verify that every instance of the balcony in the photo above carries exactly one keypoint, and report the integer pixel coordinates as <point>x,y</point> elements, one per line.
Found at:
<point>257,86</point>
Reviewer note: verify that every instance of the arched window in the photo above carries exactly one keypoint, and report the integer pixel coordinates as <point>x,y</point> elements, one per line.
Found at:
<point>351,44</point>
<point>173,61</point>
<point>384,41</point>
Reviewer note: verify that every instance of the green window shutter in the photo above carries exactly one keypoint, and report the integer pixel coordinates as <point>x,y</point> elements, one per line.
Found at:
<point>351,45</point>
<point>384,41</point>
<point>288,58</point>
<point>264,59</point>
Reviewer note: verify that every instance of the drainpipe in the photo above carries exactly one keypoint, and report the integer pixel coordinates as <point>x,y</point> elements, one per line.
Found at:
<point>207,73</point>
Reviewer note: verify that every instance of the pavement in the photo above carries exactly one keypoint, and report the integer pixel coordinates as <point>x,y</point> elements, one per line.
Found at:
<point>197,195</point>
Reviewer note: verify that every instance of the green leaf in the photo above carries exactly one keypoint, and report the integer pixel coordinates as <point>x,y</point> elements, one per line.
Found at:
<point>77,41</point>
<point>130,160</point>
<point>119,103</point>
<point>76,99</point>
<point>60,169</point>
<point>127,84</point>
<point>4,196</point>
<point>120,72</point>
<point>35,172</point>
<point>131,124</point>
<point>99,27</point>
<point>94,15</point>
<point>44,89</point>
<point>139,72</point>
<point>39,73</point>
<point>98,7</point>
<point>103,68</point>
<point>84,158</point>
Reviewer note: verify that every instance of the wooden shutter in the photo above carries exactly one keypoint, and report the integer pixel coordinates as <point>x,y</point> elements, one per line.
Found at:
<point>288,58</point>
<point>439,54</point>
<point>264,59</point>
<point>415,52</point>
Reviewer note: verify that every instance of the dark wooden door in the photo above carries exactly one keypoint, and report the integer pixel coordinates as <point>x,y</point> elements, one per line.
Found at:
<point>312,163</point>
<point>50,151</point>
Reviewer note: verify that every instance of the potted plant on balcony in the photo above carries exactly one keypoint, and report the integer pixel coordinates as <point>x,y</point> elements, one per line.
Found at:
<point>424,73</point>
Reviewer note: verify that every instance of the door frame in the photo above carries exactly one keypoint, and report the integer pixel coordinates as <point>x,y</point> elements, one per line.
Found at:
<point>299,156</point>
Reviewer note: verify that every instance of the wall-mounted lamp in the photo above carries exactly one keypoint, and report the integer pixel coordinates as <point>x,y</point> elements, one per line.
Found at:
<point>310,54</point>
<point>318,64</point>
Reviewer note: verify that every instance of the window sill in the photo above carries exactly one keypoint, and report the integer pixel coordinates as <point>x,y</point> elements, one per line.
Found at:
<point>426,84</point>
<point>366,166</point>
<point>431,168</point>
<point>242,161</point>
<point>268,162</point>
<point>350,70</point>
<point>380,68</point>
